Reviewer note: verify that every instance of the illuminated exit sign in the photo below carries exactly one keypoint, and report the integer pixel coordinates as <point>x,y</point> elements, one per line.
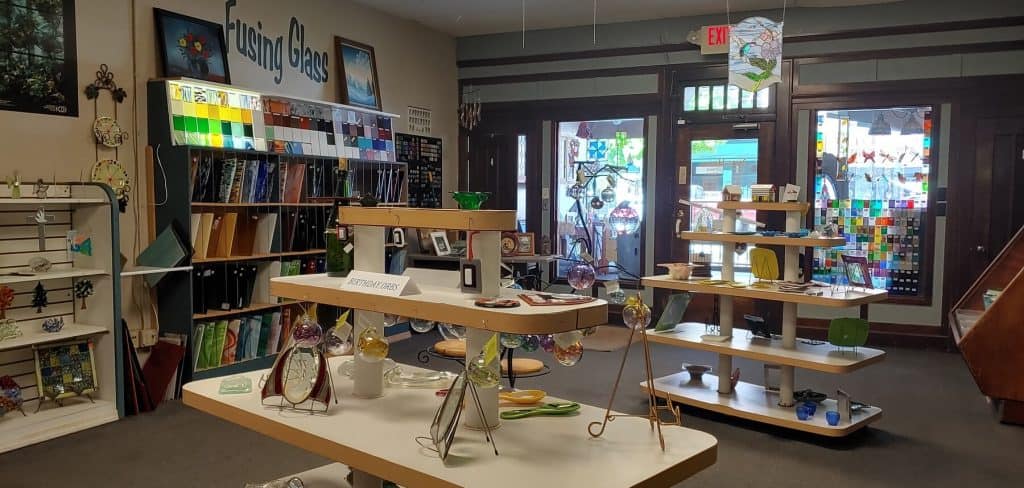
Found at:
<point>712,39</point>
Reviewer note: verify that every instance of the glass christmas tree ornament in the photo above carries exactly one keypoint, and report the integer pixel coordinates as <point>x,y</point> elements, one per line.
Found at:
<point>421,326</point>
<point>636,313</point>
<point>570,355</point>
<point>566,339</point>
<point>511,341</point>
<point>483,374</point>
<point>547,342</point>
<point>308,333</point>
<point>581,276</point>
<point>452,332</point>
<point>608,195</point>
<point>624,219</point>
<point>372,346</point>
<point>531,343</point>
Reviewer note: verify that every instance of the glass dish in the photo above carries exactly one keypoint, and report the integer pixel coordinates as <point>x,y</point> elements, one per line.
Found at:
<point>417,378</point>
<point>470,200</point>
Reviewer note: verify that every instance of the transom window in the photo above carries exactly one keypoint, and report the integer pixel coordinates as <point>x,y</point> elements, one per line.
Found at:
<point>723,97</point>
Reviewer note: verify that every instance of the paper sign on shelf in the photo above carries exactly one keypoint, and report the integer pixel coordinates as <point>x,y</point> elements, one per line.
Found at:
<point>379,284</point>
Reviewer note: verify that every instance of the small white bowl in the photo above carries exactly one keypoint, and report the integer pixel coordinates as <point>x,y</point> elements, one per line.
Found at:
<point>678,271</point>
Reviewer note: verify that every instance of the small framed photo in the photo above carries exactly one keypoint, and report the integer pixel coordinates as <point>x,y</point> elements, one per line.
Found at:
<point>857,271</point>
<point>440,242</point>
<point>191,47</point>
<point>524,244</point>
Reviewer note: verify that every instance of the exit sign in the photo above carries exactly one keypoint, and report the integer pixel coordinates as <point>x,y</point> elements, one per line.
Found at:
<point>712,39</point>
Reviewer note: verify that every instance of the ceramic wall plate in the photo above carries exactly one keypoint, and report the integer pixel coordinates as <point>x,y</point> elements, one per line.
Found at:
<point>108,132</point>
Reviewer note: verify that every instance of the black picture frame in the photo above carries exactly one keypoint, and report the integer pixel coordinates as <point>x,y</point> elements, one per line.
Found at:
<point>343,48</point>
<point>194,67</point>
<point>42,75</point>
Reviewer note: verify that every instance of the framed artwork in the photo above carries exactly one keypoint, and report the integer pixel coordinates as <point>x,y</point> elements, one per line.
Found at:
<point>357,70</point>
<point>65,370</point>
<point>440,243</point>
<point>524,244</point>
<point>38,57</point>
<point>857,271</point>
<point>191,47</point>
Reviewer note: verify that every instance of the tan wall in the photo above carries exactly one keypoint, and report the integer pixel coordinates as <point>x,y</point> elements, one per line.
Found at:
<point>416,67</point>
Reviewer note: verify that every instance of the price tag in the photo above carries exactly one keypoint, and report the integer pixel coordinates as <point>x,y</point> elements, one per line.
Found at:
<point>491,349</point>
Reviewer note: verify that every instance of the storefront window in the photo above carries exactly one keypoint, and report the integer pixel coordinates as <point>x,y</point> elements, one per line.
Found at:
<point>716,163</point>
<point>607,209</point>
<point>871,181</point>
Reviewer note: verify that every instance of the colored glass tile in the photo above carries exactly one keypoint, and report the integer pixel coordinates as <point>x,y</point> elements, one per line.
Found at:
<point>216,140</point>
<point>178,122</point>
<point>215,126</point>
<point>191,124</point>
<point>225,127</point>
<point>246,116</point>
<point>204,126</point>
<point>247,130</point>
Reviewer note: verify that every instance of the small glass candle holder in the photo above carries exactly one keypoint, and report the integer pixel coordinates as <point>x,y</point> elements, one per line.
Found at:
<point>832,417</point>
<point>802,413</point>
<point>811,408</point>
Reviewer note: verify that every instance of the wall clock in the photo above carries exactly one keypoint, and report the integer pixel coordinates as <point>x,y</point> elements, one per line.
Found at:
<point>108,132</point>
<point>113,174</point>
<point>509,244</point>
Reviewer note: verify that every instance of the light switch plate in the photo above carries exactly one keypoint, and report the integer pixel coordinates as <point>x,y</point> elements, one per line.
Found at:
<point>469,275</point>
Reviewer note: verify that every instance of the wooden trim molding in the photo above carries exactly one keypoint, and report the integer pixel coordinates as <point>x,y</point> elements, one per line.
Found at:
<point>789,39</point>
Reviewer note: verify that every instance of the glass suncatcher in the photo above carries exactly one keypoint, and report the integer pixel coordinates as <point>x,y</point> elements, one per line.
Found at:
<point>871,180</point>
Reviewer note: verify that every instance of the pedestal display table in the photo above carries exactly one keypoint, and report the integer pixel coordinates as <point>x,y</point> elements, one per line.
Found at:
<point>375,437</point>
<point>750,401</point>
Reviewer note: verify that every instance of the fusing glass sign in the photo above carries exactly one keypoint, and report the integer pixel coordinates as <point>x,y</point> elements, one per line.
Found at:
<point>755,54</point>
<point>252,42</point>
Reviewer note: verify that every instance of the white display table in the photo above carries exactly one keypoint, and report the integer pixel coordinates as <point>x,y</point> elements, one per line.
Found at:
<point>376,436</point>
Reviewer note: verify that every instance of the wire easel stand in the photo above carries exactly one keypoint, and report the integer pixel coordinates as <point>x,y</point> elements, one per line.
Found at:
<point>653,414</point>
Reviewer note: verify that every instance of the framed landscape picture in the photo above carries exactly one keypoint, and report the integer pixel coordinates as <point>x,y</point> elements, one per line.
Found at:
<point>857,271</point>
<point>191,47</point>
<point>357,70</point>
<point>38,57</point>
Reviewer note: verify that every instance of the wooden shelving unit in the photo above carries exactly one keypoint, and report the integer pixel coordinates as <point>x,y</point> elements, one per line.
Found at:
<point>749,401</point>
<point>318,145</point>
<point>91,210</point>
<point>990,338</point>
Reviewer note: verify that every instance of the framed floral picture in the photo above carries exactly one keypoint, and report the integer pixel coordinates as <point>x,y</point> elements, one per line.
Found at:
<point>191,47</point>
<point>357,70</point>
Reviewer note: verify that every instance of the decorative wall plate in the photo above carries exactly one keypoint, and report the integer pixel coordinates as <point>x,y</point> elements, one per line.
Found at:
<point>509,244</point>
<point>108,132</point>
<point>112,173</point>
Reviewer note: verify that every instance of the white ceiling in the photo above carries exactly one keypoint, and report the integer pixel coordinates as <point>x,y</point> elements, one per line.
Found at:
<point>473,17</point>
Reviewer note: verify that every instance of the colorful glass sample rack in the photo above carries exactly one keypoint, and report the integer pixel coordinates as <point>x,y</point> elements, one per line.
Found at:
<point>889,234</point>
<point>219,116</point>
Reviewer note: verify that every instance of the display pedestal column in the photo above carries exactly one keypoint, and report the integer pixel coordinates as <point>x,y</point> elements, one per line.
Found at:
<point>791,272</point>
<point>368,378</point>
<point>725,317</point>
<point>486,248</point>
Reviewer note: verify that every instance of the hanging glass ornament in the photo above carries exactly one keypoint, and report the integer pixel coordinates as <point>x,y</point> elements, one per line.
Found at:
<point>570,355</point>
<point>624,219</point>
<point>581,276</point>
<point>589,331</point>
<point>636,313</point>
<point>452,332</point>
<point>391,320</point>
<point>608,195</point>
<point>483,374</point>
<point>566,339</point>
<point>511,341</point>
<point>372,346</point>
<point>338,340</point>
<point>576,191</point>
<point>308,333</point>
<point>596,203</point>
<point>530,343</point>
<point>421,326</point>
<point>547,342</point>
<point>617,297</point>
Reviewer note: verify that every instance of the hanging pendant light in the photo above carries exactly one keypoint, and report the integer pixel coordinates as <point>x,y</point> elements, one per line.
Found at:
<point>913,125</point>
<point>880,127</point>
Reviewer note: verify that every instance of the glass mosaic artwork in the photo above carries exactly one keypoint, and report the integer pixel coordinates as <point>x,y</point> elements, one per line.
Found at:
<point>66,370</point>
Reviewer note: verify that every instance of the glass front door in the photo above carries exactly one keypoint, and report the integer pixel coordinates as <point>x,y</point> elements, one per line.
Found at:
<point>716,156</point>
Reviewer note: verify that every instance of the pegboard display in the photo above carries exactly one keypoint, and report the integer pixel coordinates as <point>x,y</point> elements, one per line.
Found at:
<point>423,154</point>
